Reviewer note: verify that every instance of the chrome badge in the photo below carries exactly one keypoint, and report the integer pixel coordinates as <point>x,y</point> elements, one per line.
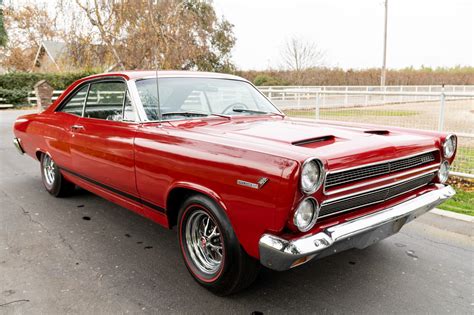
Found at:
<point>261,182</point>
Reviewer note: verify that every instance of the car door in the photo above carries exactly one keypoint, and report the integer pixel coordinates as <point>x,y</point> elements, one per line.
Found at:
<point>59,133</point>
<point>103,139</point>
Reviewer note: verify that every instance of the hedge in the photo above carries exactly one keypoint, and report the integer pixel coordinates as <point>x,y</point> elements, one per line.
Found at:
<point>27,80</point>
<point>337,76</point>
<point>16,96</point>
<point>14,86</point>
<point>263,79</point>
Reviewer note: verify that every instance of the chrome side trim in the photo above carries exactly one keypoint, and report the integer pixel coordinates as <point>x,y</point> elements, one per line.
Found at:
<point>17,144</point>
<point>278,253</point>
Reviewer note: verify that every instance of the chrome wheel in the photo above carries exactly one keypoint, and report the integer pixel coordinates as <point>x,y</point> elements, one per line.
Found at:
<point>49,170</point>
<point>204,242</point>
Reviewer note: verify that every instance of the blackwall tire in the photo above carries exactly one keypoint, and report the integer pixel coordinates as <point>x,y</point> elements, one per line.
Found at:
<point>53,181</point>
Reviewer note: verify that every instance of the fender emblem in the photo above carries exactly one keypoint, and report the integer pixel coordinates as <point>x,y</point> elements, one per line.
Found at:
<point>261,182</point>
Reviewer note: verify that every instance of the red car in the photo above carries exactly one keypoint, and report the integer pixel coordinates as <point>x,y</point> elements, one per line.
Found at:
<point>244,184</point>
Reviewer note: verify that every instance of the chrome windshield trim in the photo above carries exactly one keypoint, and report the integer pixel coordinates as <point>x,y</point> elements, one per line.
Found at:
<point>378,180</point>
<point>356,194</point>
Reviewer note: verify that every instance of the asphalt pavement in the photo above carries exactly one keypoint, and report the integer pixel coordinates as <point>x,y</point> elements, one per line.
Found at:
<point>85,255</point>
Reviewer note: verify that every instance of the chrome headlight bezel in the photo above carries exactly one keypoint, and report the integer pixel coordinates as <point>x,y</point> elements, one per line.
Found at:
<point>317,184</point>
<point>450,139</point>
<point>443,172</point>
<point>314,218</point>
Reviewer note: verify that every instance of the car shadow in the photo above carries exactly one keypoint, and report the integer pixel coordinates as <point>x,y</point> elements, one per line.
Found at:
<point>114,236</point>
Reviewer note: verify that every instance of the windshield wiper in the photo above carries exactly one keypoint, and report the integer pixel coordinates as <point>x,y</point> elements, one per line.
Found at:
<point>191,113</point>
<point>221,115</point>
<point>252,111</point>
<point>184,113</point>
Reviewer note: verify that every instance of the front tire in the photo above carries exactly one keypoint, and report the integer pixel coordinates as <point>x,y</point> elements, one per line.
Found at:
<point>53,180</point>
<point>210,249</point>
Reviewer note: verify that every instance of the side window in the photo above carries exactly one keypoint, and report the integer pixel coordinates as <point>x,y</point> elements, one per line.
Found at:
<point>76,103</point>
<point>106,100</point>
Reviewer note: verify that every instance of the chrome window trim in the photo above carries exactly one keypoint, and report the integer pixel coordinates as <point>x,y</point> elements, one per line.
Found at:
<point>433,166</point>
<point>89,82</point>
<point>85,100</point>
<point>355,194</point>
<point>135,99</point>
<point>376,202</point>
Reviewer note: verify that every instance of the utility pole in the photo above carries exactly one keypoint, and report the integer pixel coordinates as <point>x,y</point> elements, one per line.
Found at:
<point>384,63</point>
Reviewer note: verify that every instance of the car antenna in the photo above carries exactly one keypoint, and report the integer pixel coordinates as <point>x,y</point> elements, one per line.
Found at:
<point>157,84</point>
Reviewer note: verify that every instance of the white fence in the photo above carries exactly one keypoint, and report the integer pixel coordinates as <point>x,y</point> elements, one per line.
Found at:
<point>448,109</point>
<point>421,107</point>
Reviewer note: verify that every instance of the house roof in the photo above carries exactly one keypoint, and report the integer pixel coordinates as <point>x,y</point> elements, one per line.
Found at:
<point>53,49</point>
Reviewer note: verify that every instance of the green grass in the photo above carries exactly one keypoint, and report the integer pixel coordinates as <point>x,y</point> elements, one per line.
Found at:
<point>352,112</point>
<point>462,202</point>
<point>464,161</point>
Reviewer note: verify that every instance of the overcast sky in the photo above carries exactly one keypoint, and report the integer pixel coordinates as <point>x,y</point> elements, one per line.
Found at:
<point>420,32</point>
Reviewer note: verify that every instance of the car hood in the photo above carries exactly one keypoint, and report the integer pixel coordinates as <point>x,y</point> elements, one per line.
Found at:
<point>339,144</point>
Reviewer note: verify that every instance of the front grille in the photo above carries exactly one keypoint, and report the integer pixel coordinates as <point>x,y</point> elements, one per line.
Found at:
<point>384,168</point>
<point>374,196</point>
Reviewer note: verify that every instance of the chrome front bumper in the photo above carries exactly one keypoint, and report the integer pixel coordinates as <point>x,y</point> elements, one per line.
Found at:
<point>280,254</point>
<point>17,143</point>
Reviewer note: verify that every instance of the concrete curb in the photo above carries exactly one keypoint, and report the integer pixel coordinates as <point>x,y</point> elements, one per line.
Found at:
<point>453,215</point>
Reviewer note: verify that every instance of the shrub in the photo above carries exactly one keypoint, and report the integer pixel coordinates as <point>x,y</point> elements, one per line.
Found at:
<point>27,80</point>
<point>338,76</point>
<point>15,96</point>
<point>263,79</point>
<point>14,86</point>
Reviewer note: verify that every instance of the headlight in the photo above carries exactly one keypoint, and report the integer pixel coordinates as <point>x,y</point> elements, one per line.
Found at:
<point>449,146</point>
<point>312,174</point>
<point>443,172</point>
<point>306,214</point>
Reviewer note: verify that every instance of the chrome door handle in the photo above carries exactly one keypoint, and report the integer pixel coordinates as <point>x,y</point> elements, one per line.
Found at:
<point>77,127</point>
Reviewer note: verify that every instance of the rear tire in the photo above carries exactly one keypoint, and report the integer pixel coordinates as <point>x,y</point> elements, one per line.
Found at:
<point>53,180</point>
<point>210,248</point>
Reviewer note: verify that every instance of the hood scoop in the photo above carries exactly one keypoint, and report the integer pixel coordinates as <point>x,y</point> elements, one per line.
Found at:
<point>378,132</point>
<point>308,142</point>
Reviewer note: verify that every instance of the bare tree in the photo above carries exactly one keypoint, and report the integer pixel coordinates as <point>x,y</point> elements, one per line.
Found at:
<point>299,55</point>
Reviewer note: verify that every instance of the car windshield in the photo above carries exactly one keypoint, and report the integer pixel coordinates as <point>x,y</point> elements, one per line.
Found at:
<point>198,97</point>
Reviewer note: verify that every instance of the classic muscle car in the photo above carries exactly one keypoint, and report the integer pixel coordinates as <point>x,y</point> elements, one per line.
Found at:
<point>244,184</point>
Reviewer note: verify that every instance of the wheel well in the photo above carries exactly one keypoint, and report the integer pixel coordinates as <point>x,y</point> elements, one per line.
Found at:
<point>38,155</point>
<point>176,198</point>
